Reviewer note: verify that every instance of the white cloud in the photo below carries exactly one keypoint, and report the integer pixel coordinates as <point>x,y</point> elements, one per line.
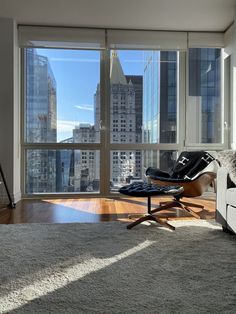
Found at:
<point>65,128</point>
<point>67,125</point>
<point>85,107</point>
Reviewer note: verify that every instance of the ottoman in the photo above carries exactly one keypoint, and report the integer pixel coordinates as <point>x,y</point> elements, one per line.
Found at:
<point>143,189</point>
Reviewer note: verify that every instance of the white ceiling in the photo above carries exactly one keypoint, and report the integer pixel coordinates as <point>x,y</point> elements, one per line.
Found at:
<point>195,15</point>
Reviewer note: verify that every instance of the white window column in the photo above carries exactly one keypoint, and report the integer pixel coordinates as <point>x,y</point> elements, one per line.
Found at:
<point>230,50</point>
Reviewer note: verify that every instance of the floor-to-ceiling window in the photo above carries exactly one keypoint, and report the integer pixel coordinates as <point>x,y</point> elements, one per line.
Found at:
<point>61,81</point>
<point>99,107</point>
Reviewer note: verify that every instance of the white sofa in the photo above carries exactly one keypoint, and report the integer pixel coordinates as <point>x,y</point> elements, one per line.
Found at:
<point>226,201</point>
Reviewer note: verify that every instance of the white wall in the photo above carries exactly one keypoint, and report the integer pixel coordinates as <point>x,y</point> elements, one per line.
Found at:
<point>9,106</point>
<point>189,15</point>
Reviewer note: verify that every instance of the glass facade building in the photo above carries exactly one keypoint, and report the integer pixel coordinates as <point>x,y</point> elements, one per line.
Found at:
<point>205,110</point>
<point>160,103</point>
<point>40,122</point>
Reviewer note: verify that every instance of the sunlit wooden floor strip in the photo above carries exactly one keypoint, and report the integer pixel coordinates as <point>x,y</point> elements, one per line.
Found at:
<point>94,210</point>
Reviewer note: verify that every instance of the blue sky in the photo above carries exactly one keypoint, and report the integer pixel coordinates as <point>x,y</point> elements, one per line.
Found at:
<point>77,74</point>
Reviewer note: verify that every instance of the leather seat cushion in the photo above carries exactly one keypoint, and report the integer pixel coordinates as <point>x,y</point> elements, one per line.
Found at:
<point>142,189</point>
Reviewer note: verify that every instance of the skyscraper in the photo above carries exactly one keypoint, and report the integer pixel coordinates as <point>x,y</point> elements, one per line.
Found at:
<point>40,122</point>
<point>204,95</point>
<point>86,162</point>
<point>137,82</point>
<point>125,127</point>
<point>160,104</point>
<point>160,97</point>
<point>125,121</point>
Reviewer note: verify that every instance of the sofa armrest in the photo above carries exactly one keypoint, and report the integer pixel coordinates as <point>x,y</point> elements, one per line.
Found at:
<point>221,204</point>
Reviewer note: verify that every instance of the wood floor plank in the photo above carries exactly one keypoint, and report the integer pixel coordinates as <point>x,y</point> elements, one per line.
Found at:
<point>94,210</point>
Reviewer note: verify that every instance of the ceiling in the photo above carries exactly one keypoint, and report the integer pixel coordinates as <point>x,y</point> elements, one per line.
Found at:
<point>188,15</point>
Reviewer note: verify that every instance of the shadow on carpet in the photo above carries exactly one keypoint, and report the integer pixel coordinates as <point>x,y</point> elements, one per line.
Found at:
<point>105,268</point>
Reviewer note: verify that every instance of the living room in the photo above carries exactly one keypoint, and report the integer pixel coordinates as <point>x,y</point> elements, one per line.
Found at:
<point>95,94</point>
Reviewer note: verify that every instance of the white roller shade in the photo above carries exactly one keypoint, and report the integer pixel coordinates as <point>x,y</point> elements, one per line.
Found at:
<point>57,37</point>
<point>60,37</point>
<point>205,40</point>
<point>134,39</point>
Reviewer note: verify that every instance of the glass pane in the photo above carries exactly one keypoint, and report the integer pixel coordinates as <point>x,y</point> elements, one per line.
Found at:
<point>143,96</point>
<point>204,102</point>
<point>50,171</point>
<point>163,159</point>
<point>62,88</point>
<point>128,166</point>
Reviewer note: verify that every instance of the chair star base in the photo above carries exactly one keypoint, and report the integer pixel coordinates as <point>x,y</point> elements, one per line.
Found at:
<point>152,218</point>
<point>176,203</point>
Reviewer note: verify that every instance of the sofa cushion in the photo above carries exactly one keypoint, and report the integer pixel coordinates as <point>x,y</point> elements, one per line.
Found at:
<point>231,197</point>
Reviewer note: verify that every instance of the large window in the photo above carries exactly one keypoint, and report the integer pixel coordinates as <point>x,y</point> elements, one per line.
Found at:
<point>98,112</point>
<point>62,93</point>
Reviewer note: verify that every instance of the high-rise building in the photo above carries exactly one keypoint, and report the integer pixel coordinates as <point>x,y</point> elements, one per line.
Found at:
<point>125,121</point>
<point>86,162</point>
<point>137,82</point>
<point>65,168</point>
<point>168,96</point>
<point>204,95</point>
<point>160,97</point>
<point>125,127</point>
<point>160,104</point>
<point>40,122</point>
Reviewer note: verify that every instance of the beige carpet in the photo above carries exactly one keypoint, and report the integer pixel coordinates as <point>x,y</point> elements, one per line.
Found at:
<point>104,268</point>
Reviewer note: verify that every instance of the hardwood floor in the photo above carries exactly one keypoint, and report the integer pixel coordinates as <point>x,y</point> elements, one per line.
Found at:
<point>94,210</point>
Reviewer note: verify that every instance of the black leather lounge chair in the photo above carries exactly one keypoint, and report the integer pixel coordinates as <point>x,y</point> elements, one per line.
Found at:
<point>194,171</point>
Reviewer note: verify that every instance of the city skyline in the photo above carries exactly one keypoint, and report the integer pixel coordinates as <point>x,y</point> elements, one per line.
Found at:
<point>77,74</point>
<point>78,170</point>
<point>143,109</point>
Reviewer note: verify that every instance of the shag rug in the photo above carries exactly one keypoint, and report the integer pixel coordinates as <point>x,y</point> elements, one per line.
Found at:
<point>105,268</point>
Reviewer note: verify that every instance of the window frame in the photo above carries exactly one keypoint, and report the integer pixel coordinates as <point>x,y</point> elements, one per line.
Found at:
<point>105,146</point>
<point>56,146</point>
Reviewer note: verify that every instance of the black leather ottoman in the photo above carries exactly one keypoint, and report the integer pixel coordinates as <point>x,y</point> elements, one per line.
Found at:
<point>143,189</point>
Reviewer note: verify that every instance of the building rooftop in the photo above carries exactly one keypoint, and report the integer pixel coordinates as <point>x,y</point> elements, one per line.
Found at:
<point>116,73</point>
